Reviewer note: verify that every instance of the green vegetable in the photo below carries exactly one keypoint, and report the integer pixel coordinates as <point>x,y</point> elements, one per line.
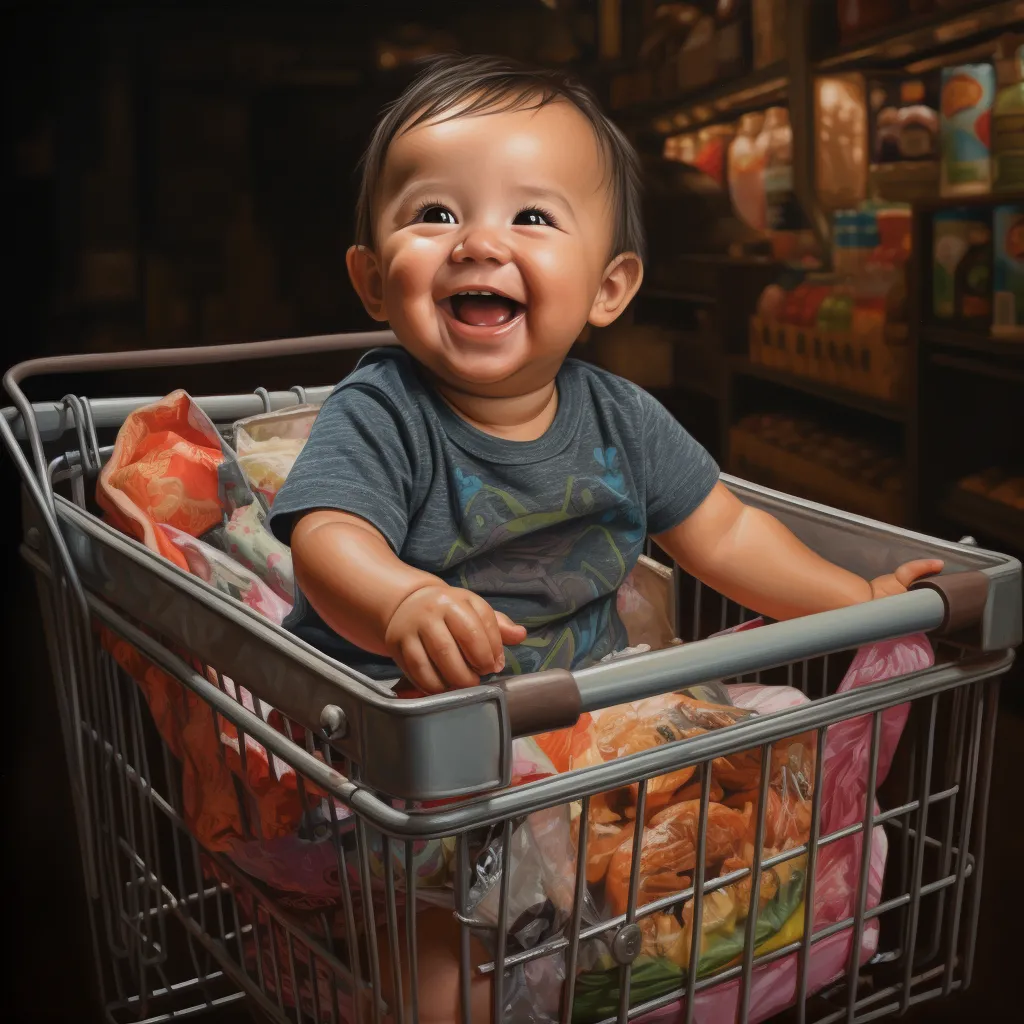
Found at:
<point>597,992</point>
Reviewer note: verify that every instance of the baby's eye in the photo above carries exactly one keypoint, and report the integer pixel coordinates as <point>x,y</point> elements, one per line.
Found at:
<point>534,218</point>
<point>435,214</point>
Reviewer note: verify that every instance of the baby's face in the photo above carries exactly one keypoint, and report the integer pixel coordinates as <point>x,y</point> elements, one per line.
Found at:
<point>493,236</point>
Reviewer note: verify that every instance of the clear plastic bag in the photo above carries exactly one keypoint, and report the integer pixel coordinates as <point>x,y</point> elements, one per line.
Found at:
<point>663,963</point>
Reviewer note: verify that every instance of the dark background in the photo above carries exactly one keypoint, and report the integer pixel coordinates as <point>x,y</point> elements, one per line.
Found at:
<point>183,174</point>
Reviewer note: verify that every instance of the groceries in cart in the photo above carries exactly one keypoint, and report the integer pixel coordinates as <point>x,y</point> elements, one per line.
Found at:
<point>287,840</point>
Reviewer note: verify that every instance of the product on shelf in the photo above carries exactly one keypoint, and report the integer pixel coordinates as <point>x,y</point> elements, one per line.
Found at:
<point>966,122</point>
<point>903,130</point>
<point>855,239</point>
<point>995,484</point>
<point>962,266</point>
<point>1008,272</point>
<point>1008,120</point>
<point>712,149</point>
<point>839,329</point>
<point>746,164</point>
<point>894,234</point>
<point>783,215</point>
<point>841,147</point>
<point>797,454</point>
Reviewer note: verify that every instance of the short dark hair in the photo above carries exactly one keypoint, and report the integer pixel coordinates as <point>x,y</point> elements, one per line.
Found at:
<point>476,84</point>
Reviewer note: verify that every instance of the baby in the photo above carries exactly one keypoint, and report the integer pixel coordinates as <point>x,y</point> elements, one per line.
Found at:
<point>469,504</point>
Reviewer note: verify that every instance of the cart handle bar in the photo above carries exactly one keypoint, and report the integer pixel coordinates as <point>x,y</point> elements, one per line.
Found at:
<point>947,605</point>
<point>93,362</point>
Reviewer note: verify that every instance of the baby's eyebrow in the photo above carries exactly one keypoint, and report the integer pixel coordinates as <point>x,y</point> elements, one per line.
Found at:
<point>417,187</point>
<point>546,194</point>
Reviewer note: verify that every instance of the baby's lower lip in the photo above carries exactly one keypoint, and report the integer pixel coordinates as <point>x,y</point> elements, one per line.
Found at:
<point>475,331</point>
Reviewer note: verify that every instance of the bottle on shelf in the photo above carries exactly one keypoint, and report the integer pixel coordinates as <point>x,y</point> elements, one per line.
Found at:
<point>841,147</point>
<point>746,171</point>
<point>966,111</point>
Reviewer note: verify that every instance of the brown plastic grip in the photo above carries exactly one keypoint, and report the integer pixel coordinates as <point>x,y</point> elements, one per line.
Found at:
<point>964,594</point>
<point>541,702</point>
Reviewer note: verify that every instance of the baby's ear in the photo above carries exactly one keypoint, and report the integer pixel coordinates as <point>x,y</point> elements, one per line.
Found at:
<point>364,273</point>
<point>622,278</point>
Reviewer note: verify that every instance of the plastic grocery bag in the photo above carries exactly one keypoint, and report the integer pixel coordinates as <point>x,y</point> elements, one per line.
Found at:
<point>667,862</point>
<point>268,445</point>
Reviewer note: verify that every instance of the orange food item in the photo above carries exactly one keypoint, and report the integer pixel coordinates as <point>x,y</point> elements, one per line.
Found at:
<point>692,792</point>
<point>669,851</point>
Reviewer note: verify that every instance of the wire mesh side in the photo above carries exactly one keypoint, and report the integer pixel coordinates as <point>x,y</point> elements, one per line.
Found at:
<point>198,903</point>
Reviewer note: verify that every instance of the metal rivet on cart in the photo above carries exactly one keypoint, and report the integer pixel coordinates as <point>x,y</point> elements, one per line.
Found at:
<point>333,722</point>
<point>627,943</point>
<point>969,541</point>
<point>33,538</point>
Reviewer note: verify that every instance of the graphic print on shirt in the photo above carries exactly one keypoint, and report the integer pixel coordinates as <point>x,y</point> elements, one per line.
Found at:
<point>554,570</point>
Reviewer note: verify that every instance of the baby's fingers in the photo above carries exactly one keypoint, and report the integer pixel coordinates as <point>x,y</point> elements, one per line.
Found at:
<point>478,640</point>
<point>909,572</point>
<point>417,667</point>
<point>444,651</point>
<point>510,632</point>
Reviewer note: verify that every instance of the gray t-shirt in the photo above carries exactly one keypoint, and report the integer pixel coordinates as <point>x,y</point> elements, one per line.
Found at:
<point>544,530</point>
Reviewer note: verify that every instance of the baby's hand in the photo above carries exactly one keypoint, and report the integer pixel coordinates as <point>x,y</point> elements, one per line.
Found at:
<point>899,582</point>
<point>443,637</point>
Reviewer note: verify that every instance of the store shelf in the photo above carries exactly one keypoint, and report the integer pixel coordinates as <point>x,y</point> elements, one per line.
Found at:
<point>715,102</point>
<point>983,199</point>
<point>938,32</point>
<point>672,295</point>
<point>880,407</point>
<point>978,367</point>
<point>987,519</point>
<point>971,341</point>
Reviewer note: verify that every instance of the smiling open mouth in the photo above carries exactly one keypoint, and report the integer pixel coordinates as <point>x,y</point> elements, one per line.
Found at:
<point>483,309</point>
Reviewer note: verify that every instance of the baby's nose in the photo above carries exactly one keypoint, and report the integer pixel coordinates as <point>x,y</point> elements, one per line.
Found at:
<point>481,245</point>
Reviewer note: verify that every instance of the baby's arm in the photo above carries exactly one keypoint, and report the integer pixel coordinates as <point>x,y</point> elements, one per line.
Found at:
<point>750,557</point>
<point>435,633</point>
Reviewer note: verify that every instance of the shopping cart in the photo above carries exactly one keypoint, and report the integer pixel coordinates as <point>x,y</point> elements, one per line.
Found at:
<point>179,927</point>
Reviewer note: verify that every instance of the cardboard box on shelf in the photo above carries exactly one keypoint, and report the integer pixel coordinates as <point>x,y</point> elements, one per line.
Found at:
<point>753,457</point>
<point>874,363</point>
<point>800,357</point>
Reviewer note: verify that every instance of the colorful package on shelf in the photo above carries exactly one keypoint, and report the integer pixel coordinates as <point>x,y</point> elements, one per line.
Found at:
<point>903,133</point>
<point>968,92</point>
<point>1008,272</point>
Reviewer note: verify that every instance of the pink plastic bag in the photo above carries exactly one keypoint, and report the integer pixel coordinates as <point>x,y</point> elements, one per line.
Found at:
<point>844,793</point>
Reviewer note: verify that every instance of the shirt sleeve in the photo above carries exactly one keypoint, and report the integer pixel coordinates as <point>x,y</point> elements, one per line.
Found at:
<point>358,459</point>
<point>679,473</point>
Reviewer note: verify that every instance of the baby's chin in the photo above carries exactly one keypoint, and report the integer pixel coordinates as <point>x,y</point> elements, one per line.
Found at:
<point>472,366</point>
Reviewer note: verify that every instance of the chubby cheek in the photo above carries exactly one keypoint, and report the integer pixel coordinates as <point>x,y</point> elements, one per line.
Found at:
<point>409,274</point>
<point>562,287</point>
